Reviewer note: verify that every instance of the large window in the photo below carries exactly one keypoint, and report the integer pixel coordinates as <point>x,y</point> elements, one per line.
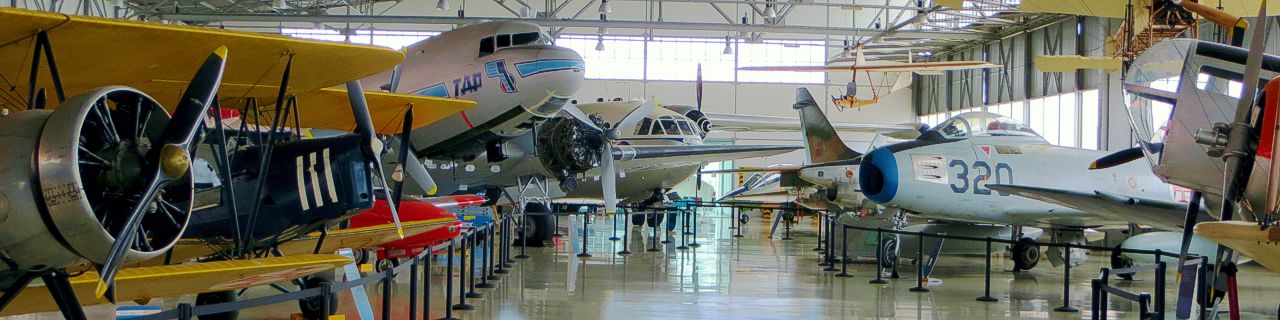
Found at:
<point>782,53</point>
<point>621,59</point>
<point>1090,120</point>
<point>1069,119</point>
<point>678,59</point>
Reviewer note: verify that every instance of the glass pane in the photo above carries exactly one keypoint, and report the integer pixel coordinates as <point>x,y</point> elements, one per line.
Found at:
<point>1067,120</point>
<point>622,57</point>
<point>1090,122</point>
<point>1037,116</point>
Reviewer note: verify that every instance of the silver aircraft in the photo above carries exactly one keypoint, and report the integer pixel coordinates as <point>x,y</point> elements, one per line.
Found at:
<point>510,69</point>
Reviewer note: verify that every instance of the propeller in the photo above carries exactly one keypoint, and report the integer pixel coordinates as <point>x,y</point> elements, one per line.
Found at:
<point>1125,156</point>
<point>608,172</point>
<point>697,189</point>
<point>404,154</point>
<point>364,127</point>
<point>168,162</point>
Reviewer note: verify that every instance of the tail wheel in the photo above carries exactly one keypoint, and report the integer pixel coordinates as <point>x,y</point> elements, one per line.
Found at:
<point>216,297</point>
<point>1120,261</point>
<point>1026,254</point>
<point>535,227</point>
<point>387,263</point>
<point>743,218</point>
<point>92,154</point>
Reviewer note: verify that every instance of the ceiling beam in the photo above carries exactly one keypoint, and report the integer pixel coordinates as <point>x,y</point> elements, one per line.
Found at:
<point>575,23</point>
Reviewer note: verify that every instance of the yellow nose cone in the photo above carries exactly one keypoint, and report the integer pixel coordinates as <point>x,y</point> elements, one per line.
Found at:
<point>174,161</point>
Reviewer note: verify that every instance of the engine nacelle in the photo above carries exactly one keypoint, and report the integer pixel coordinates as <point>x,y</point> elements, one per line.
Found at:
<point>64,187</point>
<point>567,147</point>
<point>695,115</point>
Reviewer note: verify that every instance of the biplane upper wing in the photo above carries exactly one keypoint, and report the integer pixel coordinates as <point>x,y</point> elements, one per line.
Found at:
<point>1116,8</point>
<point>157,59</point>
<point>144,283</point>
<point>883,67</point>
<point>1261,244</point>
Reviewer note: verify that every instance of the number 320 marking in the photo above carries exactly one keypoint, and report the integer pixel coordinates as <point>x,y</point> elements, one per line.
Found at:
<point>982,174</point>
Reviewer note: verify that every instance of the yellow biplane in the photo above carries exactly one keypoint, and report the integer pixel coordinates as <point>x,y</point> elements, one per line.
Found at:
<point>74,54</point>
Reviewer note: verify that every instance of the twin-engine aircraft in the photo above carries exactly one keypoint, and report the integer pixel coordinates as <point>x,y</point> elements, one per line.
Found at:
<point>120,180</point>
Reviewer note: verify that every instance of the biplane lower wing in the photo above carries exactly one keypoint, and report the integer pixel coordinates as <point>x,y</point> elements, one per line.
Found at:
<point>145,283</point>
<point>1261,244</point>
<point>364,237</point>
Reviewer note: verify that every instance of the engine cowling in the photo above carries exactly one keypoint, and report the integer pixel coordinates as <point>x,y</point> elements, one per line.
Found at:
<point>86,154</point>
<point>567,147</point>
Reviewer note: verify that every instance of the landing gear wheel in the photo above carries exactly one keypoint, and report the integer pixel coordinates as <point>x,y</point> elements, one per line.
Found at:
<point>536,226</point>
<point>654,219</point>
<point>743,218</point>
<point>388,263</point>
<point>1026,254</point>
<point>361,256</point>
<point>217,297</point>
<point>1120,261</point>
<point>311,307</point>
<point>889,253</point>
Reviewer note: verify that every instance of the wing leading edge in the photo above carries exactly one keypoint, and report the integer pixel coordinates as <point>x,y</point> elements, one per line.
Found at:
<point>1159,213</point>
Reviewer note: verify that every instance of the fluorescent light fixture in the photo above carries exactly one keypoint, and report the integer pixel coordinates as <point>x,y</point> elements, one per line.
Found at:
<point>442,5</point>
<point>600,43</point>
<point>604,7</point>
<point>728,45</point>
<point>769,11</point>
<point>279,5</point>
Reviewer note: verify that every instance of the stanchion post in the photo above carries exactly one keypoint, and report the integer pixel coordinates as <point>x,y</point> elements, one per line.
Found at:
<point>448,283</point>
<point>734,211</point>
<point>489,259</point>
<point>524,236</point>
<point>615,228</point>
<point>1161,267</point>
<point>462,280</point>
<point>626,235</point>
<point>413,287</point>
<point>879,258</point>
<point>555,225</point>
<point>507,259</point>
<point>829,253</point>
<point>654,237</point>
<point>584,254</point>
<point>326,294</point>
<point>786,225</point>
<point>185,311</point>
<point>426,284</point>
<point>388,277</point>
<point>821,242</point>
<point>920,264</point>
<point>684,232</point>
<point>844,252</point>
<point>1095,289</point>
<point>1066,282</point>
<point>693,239</point>
<point>471,271</point>
<point>986,281</point>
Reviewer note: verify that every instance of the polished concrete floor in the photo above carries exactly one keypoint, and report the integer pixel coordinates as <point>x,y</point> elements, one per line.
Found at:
<point>756,277</point>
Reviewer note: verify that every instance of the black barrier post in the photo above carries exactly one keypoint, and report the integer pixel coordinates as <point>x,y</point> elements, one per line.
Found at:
<point>326,294</point>
<point>471,272</point>
<point>615,228</point>
<point>485,261</point>
<point>626,235</point>
<point>1102,299</point>
<point>1144,299</point>
<point>388,277</point>
<point>489,258</point>
<point>585,218</point>
<point>829,252</point>
<point>524,236</point>
<point>734,211</point>
<point>184,311</point>
<point>986,292</point>
<point>821,242</point>
<point>1160,278</point>
<point>733,218</point>
<point>448,283</point>
<point>413,287</point>
<point>920,265</point>
<point>684,232</point>
<point>426,284</point>
<point>462,279</point>
<point>555,225</point>
<point>1202,285</point>
<point>693,239</point>
<point>1066,282</point>
<point>844,252</point>
<point>786,225</point>
<point>667,221</point>
<point>879,258</point>
<point>654,246</point>
<point>1095,289</point>
<point>507,260</point>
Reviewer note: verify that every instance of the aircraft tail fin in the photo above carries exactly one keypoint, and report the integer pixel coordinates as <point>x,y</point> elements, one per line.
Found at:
<point>820,138</point>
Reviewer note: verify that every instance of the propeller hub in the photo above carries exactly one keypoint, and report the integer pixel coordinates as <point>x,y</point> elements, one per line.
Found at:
<point>174,161</point>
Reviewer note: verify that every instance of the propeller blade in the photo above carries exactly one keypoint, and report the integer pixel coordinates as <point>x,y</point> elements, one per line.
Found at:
<point>1117,158</point>
<point>699,87</point>
<point>364,127</point>
<point>420,175</point>
<point>1216,16</point>
<point>629,121</point>
<point>168,162</point>
<point>609,179</point>
<point>404,154</point>
<point>573,110</point>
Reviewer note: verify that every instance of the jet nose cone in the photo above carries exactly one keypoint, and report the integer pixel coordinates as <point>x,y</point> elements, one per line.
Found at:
<point>878,175</point>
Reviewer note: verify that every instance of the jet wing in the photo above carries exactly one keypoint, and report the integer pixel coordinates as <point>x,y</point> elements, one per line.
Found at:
<point>1159,213</point>
<point>1262,244</point>
<point>144,283</point>
<point>895,67</point>
<point>781,168</point>
<point>739,123</point>
<point>142,54</point>
<point>633,157</point>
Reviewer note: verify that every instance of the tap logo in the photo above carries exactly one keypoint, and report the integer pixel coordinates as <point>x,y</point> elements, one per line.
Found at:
<point>498,69</point>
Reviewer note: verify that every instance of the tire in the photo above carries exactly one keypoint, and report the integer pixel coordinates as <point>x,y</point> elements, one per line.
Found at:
<point>310,307</point>
<point>535,229</point>
<point>743,218</point>
<point>384,264</point>
<point>889,253</point>
<point>362,255</point>
<point>1026,254</point>
<point>1119,261</point>
<point>217,297</point>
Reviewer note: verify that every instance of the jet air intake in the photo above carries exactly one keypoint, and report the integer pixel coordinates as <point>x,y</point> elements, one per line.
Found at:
<point>878,176</point>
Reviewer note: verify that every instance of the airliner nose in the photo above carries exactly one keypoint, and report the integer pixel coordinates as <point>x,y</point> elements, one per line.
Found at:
<point>878,175</point>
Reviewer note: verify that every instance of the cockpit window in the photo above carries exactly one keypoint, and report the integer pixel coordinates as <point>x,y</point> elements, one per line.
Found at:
<point>982,124</point>
<point>685,128</point>
<point>486,46</point>
<point>669,125</point>
<point>504,40</point>
<point>644,127</point>
<point>520,39</point>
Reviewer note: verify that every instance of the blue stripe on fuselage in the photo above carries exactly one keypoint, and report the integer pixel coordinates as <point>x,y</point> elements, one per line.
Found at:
<point>437,90</point>
<point>529,68</point>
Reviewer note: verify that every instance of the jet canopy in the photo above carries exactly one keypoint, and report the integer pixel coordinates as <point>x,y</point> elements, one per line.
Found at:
<point>971,124</point>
